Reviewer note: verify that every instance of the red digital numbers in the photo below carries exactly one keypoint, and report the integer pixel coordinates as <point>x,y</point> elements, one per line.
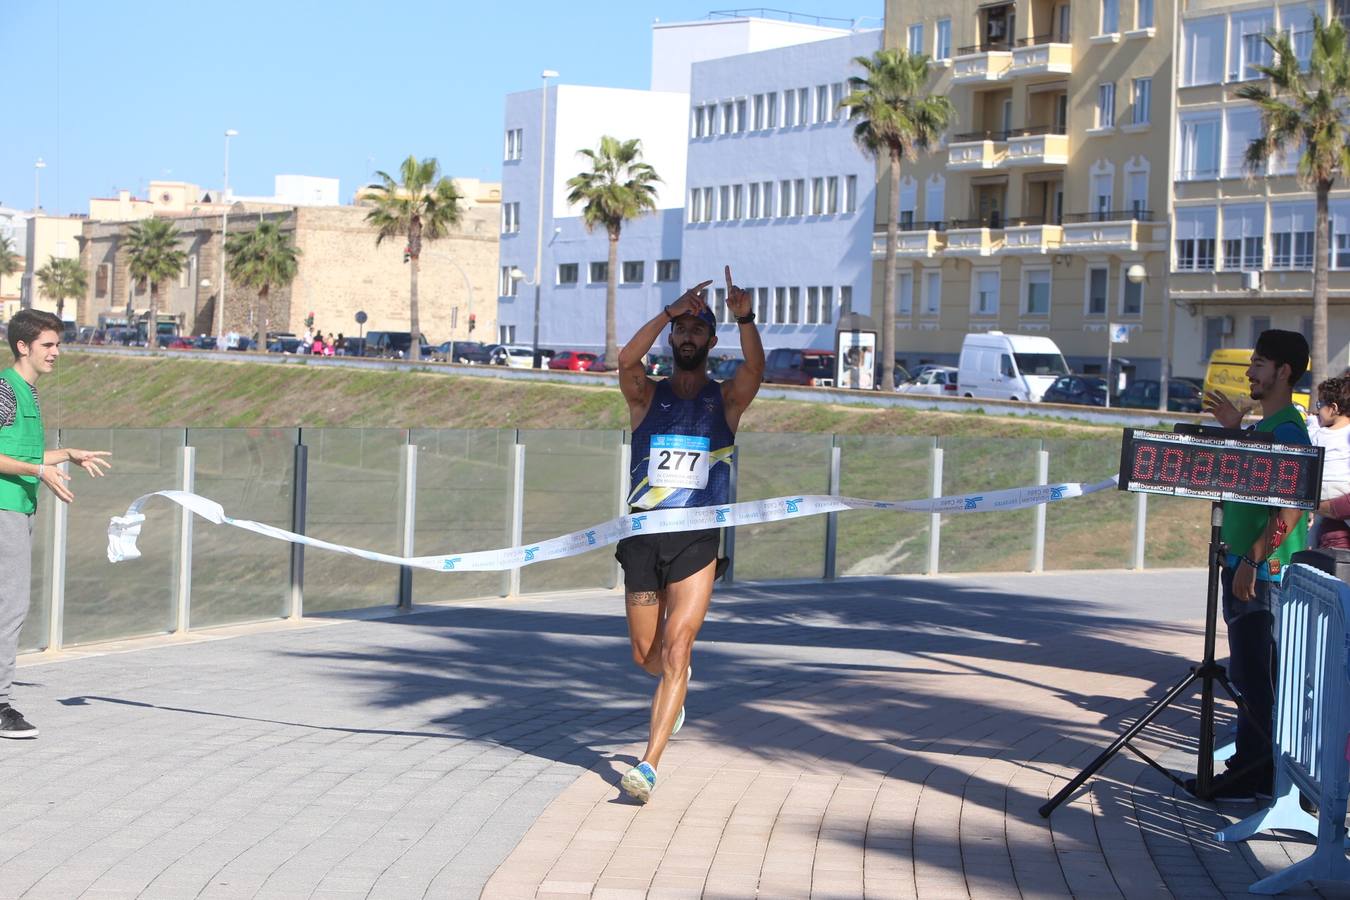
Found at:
<point>1202,467</point>
<point>1230,470</point>
<point>1173,459</point>
<point>1286,478</point>
<point>1145,461</point>
<point>1261,469</point>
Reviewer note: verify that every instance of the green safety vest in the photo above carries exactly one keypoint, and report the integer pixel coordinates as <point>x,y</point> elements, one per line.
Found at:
<point>1244,522</point>
<point>22,441</point>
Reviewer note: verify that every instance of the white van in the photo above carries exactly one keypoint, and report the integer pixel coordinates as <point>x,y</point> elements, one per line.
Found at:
<point>998,366</point>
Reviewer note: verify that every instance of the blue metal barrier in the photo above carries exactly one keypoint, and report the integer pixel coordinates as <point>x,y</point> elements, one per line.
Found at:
<point>1312,722</point>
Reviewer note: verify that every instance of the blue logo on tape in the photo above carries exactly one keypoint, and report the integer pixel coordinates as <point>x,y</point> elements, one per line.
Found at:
<point>722,513</point>
<point>973,502</point>
<point>449,564</point>
<point>530,552</point>
<point>637,522</point>
<point>792,504</point>
<point>1057,491</point>
<point>590,538</point>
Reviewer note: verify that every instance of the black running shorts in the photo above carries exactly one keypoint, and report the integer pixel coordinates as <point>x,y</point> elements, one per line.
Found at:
<point>653,561</point>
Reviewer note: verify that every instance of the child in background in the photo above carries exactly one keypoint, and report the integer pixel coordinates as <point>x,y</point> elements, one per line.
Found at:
<point>1333,435</point>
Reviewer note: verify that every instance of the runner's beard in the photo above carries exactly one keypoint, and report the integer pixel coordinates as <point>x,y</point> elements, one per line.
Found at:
<point>693,361</point>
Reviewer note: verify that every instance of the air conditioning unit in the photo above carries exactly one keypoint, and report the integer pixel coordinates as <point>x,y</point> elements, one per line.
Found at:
<point>1251,281</point>
<point>1226,325</point>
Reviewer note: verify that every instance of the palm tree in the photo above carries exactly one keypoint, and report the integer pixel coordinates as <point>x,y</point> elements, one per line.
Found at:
<point>61,278</point>
<point>896,118</point>
<point>1304,105</point>
<point>259,259</point>
<point>618,187</point>
<point>152,245</point>
<point>423,207</point>
<point>10,263</point>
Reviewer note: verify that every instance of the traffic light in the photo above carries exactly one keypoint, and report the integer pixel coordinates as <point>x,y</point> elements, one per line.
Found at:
<point>407,253</point>
<point>473,322</point>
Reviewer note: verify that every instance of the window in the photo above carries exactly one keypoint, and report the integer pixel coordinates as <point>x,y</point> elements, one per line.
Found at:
<point>789,108</point>
<point>822,103</point>
<point>1142,100</point>
<point>1106,104</point>
<point>1037,293</point>
<point>826,305</point>
<point>696,205</point>
<point>1195,239</point>
<point>632,272</point>
<point>813,305</point>
<point>779,305</point>
<point>506,285</point>
<point>803,106</point>
<point>794,306</point>
<point>1202,51</point>
<point>728,117</point>
<point>767,193</point>
<point>720,305</point>
<point>514,139</point>
<point>799,197</point>
<point>754,200</point>
<point>1291,236</point>
<point>510,218</point>
<point>1096,292</point>
<point>817,196</point>
<point>1136,193</point>
<point>1297,21</point>
<point>1102,195</point>
<point>942,45</point>
<point>904,293</point>
<point>837,95</point>
<point>1199,157</point>
<point>1247,44</point>
<point>742,120</point>
<point>984,289</point>
<point>845,299</point>
<point>1131,297</point>
<point>932,292</point>
<point>784,198</point>
<point>762,305</point>
<point>908,201</point>
<point>568,273</point>
<point>1143,14</point>
<point>1110,17</point>
<point>759,108</point>
<point>667,270</point>
<point>1259,324</point>
<point>599,272</point>
<point>724,203</point>
<point>507,333</point>
<point>916,39</point>
<point>832,195</point>
<point>934,199</point>
<point>851,193</point>
<point>707,204</point>
<point>1214,329</point>
<point>1340,236</point>
<point>696,122</point>
<point>1241,126</point>
<point>738,201</point>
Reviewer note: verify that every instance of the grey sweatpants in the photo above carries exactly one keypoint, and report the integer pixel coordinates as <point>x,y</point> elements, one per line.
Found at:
<point>16,576</point>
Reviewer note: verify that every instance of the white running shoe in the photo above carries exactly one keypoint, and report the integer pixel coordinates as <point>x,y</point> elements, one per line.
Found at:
<point>639,782</point>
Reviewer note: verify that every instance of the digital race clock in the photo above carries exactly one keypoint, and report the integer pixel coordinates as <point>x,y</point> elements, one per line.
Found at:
<point>1221,465</point>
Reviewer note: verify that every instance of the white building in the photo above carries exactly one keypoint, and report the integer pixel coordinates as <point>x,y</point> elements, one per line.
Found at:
<point>712,164</point>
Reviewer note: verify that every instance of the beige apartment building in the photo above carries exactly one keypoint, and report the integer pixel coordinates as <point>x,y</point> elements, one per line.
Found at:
<point>1243,252</point>
<point>48,237</point>
<point>1050,185</point>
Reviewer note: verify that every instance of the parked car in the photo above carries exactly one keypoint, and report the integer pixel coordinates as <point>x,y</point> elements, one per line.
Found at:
<point>573,360</point>
<point>284,345</point>
<point>472,352</point>
<point>1083,390</point>
<point>1183,395</point>
<point>208,342</point>
<point>353,347</point>
<point>805,367</point>
<point>726,368</point>
<point>1002,366</point>
<point>900,376</point>
<point>660,365</point>
<point>394,345</point>
<point>514,356</point>
<point>182,343</point>
<point>935,381</point>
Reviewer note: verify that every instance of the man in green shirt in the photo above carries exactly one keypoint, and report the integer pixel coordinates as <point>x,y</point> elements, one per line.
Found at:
<point>35,338</point>
<point>1260,541</point>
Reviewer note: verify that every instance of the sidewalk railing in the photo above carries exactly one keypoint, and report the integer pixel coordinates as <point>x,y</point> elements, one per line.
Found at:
<point>430,491</point>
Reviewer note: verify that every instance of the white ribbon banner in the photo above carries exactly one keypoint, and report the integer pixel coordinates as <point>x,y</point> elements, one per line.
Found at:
<point>123,530</point>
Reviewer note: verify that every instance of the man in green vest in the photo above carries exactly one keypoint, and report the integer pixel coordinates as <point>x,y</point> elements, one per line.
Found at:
<point>35,338</point>
<point>1260,541</point>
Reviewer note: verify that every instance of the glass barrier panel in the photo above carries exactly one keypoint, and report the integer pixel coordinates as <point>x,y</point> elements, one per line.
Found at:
<point>1092,532</point>
<point>987,541</point>
<point>876,467</point>
<point>355,497</point>
<point>778,465</point>
<point>139,597</point>
<point>463,504</point>
<point>238,576</point>
<point>572,480</point>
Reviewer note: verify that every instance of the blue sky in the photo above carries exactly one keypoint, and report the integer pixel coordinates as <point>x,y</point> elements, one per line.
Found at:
<point>114,94</point>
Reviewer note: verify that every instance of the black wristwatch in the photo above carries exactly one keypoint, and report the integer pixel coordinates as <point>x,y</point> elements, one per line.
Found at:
<point>746,319</point>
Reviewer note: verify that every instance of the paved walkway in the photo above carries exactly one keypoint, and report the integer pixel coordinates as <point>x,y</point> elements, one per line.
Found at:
<point>878,738</point>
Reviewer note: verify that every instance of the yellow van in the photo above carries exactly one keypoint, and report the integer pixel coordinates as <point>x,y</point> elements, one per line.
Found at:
<point>1227,372</point>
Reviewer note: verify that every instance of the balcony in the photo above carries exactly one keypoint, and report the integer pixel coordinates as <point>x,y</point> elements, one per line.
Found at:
<point>974,237</point>
<point>1041,55</point>
<point>1032,234</point>
<point>976,150</point>
<point>1039,146</point>
<point>914,239</point>
<point>1115,229</point>
<point>982,62</point>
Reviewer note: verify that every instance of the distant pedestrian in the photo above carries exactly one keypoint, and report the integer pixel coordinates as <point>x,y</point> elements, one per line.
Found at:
<point>340,345</point>
<point>35,338</point>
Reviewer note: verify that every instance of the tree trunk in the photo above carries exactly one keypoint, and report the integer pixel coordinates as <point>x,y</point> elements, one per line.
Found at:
<point>1321,257</point>
<point>152,323</point>
<point>259,337</point>
<point>888,286</point>
<point>611,300</point>
<point>414,259</point>
<point>60,306</point>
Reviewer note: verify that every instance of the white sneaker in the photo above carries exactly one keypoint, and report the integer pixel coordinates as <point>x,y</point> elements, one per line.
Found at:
<point>639,781</point>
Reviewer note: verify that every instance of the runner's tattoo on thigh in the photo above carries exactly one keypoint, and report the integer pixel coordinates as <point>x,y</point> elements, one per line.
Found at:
<point>643,598</point>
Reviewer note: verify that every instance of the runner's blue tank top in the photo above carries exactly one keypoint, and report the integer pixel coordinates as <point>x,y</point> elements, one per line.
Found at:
<point>697,422</point>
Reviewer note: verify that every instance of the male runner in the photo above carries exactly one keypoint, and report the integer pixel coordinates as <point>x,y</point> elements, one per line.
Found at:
<point>684,429</point>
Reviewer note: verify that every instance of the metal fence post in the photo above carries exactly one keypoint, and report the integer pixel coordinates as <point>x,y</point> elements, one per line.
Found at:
<point>625,465</point>
<point>729,534</point>
<point>832,519</point>
<point>517,511</point>
<point>1038,533</point>
<point>60,530</point>
<point>405,573</point>
<point>299,502</point>
<point>935,519</point>
<point>1140,529</point>
<point>187,481</point>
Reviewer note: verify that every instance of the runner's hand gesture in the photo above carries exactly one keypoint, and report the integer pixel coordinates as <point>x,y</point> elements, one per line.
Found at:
<point>692,301</point>
<point>738,299</point>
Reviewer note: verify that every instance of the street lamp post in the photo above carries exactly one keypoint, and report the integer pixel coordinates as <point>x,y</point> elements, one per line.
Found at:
<point>224,227</point>
<point>37,183</point>
<point>539,224</point>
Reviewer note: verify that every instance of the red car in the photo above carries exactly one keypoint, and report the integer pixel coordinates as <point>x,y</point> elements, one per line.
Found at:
<point>181,343</point>
<point>573,360</point>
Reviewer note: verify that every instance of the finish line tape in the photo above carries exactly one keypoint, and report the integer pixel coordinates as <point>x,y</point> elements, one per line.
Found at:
<point>123,530</point>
